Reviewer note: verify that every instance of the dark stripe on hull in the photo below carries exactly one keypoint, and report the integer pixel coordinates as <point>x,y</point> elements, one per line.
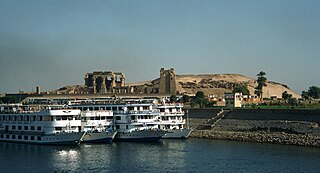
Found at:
<point>150,139</point>
<point>105,140</point>
<point>44,143</point>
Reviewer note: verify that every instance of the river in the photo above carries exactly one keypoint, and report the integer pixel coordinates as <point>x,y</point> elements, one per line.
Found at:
<point>192,155</point>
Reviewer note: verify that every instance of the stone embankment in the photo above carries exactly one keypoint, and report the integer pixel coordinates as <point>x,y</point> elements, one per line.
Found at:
<point>261,131</point>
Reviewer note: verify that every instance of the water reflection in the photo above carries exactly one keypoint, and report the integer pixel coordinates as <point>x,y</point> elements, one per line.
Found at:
<point>146,157</point>
<point>192,155</point>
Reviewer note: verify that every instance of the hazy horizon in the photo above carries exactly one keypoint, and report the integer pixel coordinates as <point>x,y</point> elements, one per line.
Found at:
<point>53,43</point>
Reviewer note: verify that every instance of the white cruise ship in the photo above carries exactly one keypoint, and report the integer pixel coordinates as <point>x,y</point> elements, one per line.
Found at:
<point>98,126</point>
<point>49,126</point>
<point>172,120</point>
<point>133,121</point>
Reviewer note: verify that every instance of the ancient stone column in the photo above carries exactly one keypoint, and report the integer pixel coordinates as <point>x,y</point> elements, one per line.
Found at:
<point>94,85</point>
<point>103,85</point>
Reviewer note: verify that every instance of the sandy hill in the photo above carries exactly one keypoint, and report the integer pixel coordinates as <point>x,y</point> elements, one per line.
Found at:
<point>217,84</point>
<point>210,84</point>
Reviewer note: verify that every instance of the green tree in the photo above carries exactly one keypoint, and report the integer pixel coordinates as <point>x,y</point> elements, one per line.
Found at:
<point>286,95</point>
<point>200,99</point>
<point>173,98</point>
<point>314,92</point>
<point>9,99</point>
<point>293,101</point>
<point>185,99</point>
<point>305,95</point>
<point>241,89</point>
<point>261,80</point>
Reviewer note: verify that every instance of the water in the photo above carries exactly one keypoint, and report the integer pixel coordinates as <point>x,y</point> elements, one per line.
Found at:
<point>192,155</point>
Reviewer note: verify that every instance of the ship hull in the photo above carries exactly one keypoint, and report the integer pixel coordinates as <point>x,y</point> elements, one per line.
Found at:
<point>50,139</point>
<point>177,134</point>
<point>98,137</point>
<point>140,136</point>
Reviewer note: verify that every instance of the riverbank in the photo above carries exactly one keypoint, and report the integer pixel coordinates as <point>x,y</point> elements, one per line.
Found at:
<point>261,131</point>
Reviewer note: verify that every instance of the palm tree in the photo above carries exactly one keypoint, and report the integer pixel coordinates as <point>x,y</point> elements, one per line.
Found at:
<point>261,80</point>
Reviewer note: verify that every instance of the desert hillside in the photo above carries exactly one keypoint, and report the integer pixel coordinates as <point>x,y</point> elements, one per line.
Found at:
<point>218,84</point>
<point>210,84</point>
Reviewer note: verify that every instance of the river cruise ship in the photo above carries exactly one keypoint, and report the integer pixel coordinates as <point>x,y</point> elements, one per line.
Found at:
<point>98,125</point>
<point>54,126</point>
<point>173,121</point>
<point>133,121</point>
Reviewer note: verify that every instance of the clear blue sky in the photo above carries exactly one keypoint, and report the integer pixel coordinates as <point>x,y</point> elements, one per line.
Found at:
<point>53,43</point>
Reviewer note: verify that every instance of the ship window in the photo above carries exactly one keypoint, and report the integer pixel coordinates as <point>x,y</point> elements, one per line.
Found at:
<point>25,137</point>
<point>127,127</point>
<point>58,128</point>
<point>118,118</point>
<point>108,108</point>
<point>13,136</point>
<point>15,118</point>
<point>39,118</point>
<point>117,126</point>
<point>33,118</point>
<point>39,138</point>
<point>20,118</point>
<point>13,127</point>
<point>7,136</point>
<point>145,107</point>
<point>96,108</point>
<point>64,117</point>
<point>109,117</point>
<point>39,128</point>
<point>32,138</point>
<point>103,118</point>
<point>32,127</point>
<point>19,127</point>
<point>97,118</point>
<point>91,118</point>
<point>114,108</point>
<point>25,127</point>
<point>1,136</point>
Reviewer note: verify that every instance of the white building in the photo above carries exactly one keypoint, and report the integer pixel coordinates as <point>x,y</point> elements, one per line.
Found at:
<point>233,99</point>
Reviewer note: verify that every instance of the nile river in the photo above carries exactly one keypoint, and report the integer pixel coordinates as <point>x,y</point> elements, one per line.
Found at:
<point>192,155</point>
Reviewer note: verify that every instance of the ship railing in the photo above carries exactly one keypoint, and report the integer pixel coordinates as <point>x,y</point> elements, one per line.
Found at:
<point>173,113</point>
<point>146,121</point>
<point>137,112</point>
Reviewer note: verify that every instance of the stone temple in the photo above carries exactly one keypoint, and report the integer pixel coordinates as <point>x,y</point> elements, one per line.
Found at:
<point>107,82</point>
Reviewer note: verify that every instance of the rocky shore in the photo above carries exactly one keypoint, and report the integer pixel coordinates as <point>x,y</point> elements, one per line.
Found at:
<point>266,131</point>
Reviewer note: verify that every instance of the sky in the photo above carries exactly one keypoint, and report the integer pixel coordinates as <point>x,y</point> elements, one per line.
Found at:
<point>53,43</point>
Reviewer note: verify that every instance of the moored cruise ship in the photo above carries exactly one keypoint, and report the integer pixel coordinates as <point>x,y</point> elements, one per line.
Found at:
<point>98,126</point>
<point>56,126</point>
<point>138,123</point>
<point>133,121</point>
<point>173,121</point>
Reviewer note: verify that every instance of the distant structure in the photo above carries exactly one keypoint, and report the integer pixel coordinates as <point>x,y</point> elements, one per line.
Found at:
<point>167,83</point>
<point>107,82</point>
<point>233,99</point>
<point>38,90</point>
